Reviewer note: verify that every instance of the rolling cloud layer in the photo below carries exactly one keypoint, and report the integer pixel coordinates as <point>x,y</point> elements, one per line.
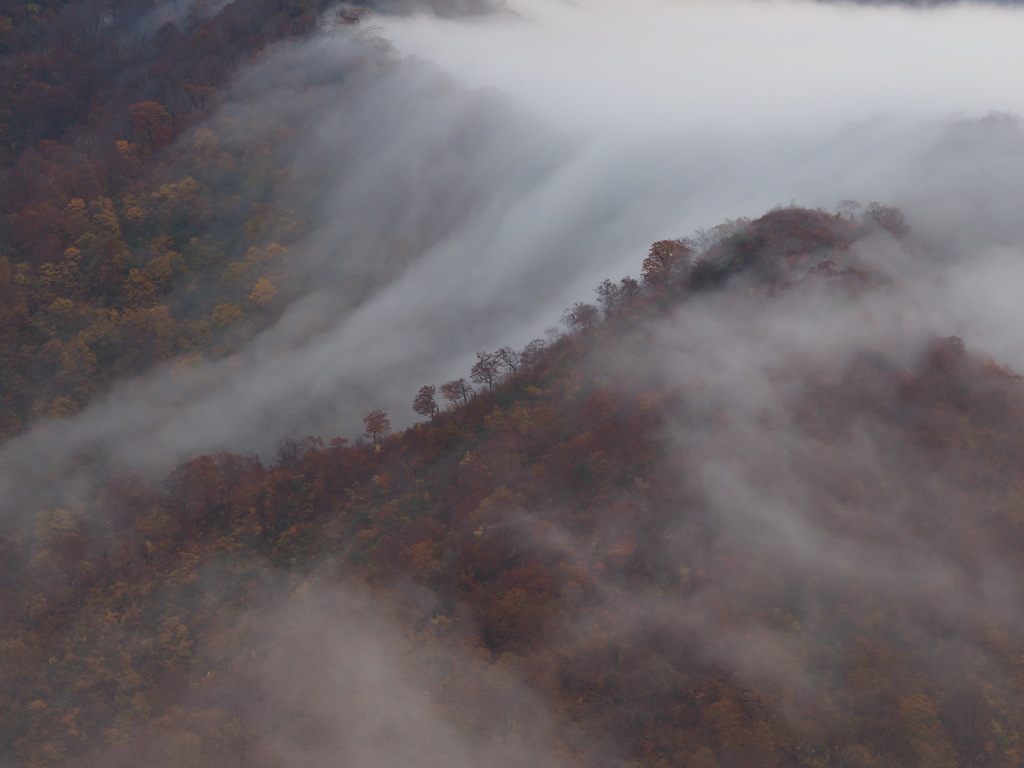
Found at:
<point>480,174</point>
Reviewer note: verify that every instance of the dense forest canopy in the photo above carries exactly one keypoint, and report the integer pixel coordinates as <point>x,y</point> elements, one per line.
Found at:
<point>332,433</point>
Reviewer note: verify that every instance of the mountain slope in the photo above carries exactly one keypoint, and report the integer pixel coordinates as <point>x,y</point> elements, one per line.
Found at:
<point>737,516</point>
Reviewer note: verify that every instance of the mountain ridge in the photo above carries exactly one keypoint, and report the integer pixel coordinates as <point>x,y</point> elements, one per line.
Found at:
<point>560,548</point>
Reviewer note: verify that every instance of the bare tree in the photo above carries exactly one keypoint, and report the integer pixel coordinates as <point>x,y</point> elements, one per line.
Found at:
<point>486,370</point>
<point>509,358</point>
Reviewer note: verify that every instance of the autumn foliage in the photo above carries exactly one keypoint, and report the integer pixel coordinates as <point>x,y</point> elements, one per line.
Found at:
<point>562,522</point>
<point>573,550</point>
<point>124,243</point>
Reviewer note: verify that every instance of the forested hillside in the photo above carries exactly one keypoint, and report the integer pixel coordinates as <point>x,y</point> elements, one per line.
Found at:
<point>120,245</point>
<point>753,506</point>
<point>603,553</point>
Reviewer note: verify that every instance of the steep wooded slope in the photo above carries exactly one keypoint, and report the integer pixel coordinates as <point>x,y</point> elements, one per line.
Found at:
<point>732,518</point>
<point>134,227</point>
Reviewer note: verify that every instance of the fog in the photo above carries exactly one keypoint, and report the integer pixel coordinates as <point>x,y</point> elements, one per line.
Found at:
<point>479,174</point>
<point>808,519</point>
<point>750,68</point>
<point>475,175</point>
<point>334,662</point>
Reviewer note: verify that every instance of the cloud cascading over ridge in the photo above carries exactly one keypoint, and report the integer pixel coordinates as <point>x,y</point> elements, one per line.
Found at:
<point>476,175</point>
<point>464,180</point>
